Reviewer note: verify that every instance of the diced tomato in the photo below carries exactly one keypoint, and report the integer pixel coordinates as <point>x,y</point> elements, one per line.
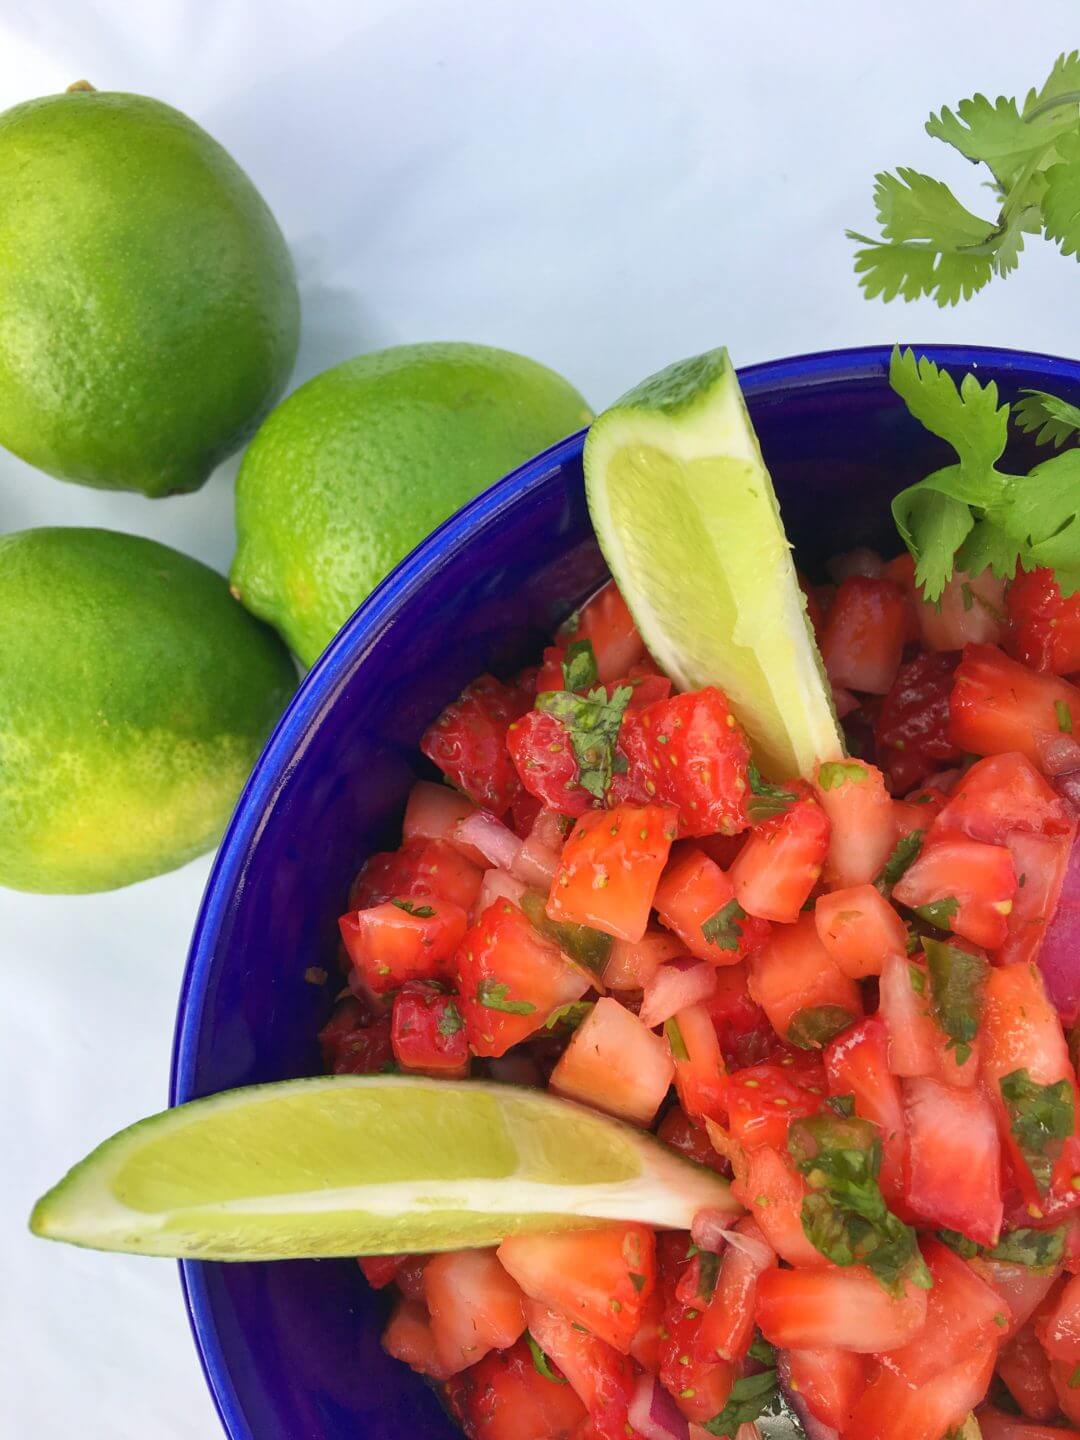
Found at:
<point>1021,1288</point>
<point>406,939</point>
<point>505,1397</point>
<point>689,752</point>
<point>860,812</point>
<point>773,1191</point>
<point>727,1327</point>
<point>863,636</point>
<point>601,1279</point>
<point>1058,1327</point>
<point>468,743</point>
<point>997,705</point>
<point>1044,628</point>
<point>904,1005</point>
<point>474,1306</point>
<point>995,1425</point>
<point>857,1064</point>
<point>859,929</point>
<point>632,963</point>
<point>891,1409</point>
<point>693,891</point>
<point>963,1316</point>
<point>690,1139</point>
<point>523,812</point>
<point>409,1337</point>
<point>1025,1369</point>
<point>606,622</point>
<point>970,885</point>
<point>954,1159</point>
<point>1040,866</point>
<point>1000,795</point>
<point>849,1308</point>
<point>428,1031</point>
<point>645,1346</point>
<point>420,867</point>
<point>434,812</point>
<point>698,1064</point>
<point>510,979</point>
<point>792,976</point>
<point>912,730</point>
<point>354,1041</point>
<point>1062,1375</point>
<point>828,1381</point>
<point>918,813</point>
<point>782,860</point>
<point>379,1270</point>
<point>700,1387</point>
<point>674,987</point>
<point>602,1378</point>
<point>610,867</point>
<point>971,609</point>
<point>543,756</point>
<point>614,1063</point>
<point>763,1100</point>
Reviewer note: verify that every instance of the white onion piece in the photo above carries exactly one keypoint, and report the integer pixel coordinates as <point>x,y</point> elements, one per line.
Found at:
<point>496,842</point>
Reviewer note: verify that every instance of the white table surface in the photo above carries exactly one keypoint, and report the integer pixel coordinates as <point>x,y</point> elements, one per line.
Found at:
<point>606,185</point>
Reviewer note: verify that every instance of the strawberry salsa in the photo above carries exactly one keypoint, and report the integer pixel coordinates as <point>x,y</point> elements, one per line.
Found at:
<point>851,993</point>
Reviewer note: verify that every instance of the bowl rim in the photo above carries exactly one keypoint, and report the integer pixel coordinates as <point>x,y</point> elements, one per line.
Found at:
<point>319,686</point>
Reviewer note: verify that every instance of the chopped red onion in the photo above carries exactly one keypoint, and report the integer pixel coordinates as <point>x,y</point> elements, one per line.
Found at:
<point>675,986</point>
<point>859,561</point>
<point>495,841</point>
<point>498,885</point>
<point>1059,953</point>
<point>536,863</point>
<point>709,1229</point>
<point>654,1414</point>
<point>761,1254</point>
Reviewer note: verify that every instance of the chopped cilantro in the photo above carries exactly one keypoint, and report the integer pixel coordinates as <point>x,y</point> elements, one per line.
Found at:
<point>956,984</point>
<point>766,799</point>
<point>422,912</point>
<point>450,1021</point>
<point>842,1105</point>
<point>592,722</point>
<point>1038,1249</point>
<point>675,1040</point>
<point>708,1269</point>
<point>579,666</point>
<point>542,1363</point>
<point>1064,716</point>
<point>582,944</point>
<point>905,853</point>
<point>1041,1117</point>
<point>496,997</point>
<point>749,1398</point>
<point>814,1027</point>
<point>939,912</point>
<point>917,976</point>
<point>965,1248</point>
<point>572,1014</point>
<point>1074,1379</point>
<point>723,929</point>
<point>835,773</point>
<point>638,1281</point>
<point>762,1351</point>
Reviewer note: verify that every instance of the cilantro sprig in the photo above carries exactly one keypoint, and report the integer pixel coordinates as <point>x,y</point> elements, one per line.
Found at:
<point>931,244</point>
<point>724,929</point>
<point>766,799</point>
<point>1041,1117</point>
<point>957,978</point>
<point>1037,1249</point>
<point>592,722</point>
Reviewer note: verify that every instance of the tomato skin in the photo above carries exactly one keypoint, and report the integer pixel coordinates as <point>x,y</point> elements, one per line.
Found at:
<point>615,1064</point>
<point>998,706</point>
<point>468,743</point>
<point>863,826</point>
<point>1044,629</point>
<point>689,752</point>
<point>953,1176</point>
<point>691,891</point>
<point>859,929</point>
<point>999,795</point>
<point>419,867</point>
<point>857,1064</point>
<point>783,859</point>
<point>505,1397</point>
<point>793,972</point>
<point>848,1308</point>
<point>979,877</point>
<point>764,1099</point>
<point>502,949</point>
<point>543,757</point>
<point>391,944</point>
<point>911,733</point>
<point>863,636</point>
<point>354,1041</point>
<point>610,867</point>
<point>428,1033</point>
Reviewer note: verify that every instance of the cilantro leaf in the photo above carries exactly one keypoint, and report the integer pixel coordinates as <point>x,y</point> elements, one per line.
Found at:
<point>579,666</point>
<point>676,1043</point>
<point>542,1363</point>
<point>494,996</point>
<point>582,944</point>
<point>939,912</point>
<point>723,929</point>
<point>905,852</point>
<point>422,912</point>
<point>572,1014</point>
<point>767,799</point>
<point>957,978</point>
<point>1061,202</point>
<point>751,1397</point>
<point>1052,421</point>
<point>933,526</point>
<point>969,418</point>
<point>813,1027</point>
<point>1040,1117</point>
<point>593,723</point>
<point>1038,1249</point>
<point>450,1021</point>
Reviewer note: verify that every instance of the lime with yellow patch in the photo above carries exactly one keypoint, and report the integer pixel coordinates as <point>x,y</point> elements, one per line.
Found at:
<point>368,1165</point>
<point>135,695</point>
<point>688,520</point>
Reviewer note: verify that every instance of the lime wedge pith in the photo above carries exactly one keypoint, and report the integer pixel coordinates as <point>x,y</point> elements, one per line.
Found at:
<point>688,521</point>
<point>378,1164</point>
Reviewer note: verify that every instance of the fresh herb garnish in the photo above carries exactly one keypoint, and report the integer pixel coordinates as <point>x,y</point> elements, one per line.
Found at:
<point>1041,1117</point>
<point>814,1027</point>
<point>450,1021</point>
<point>956,986</point>
<point>579,666</point>
<point>1064,716</point>
<point>572,1014</point>
<point>843,1105</point>
<point>422,912</point>
<point>542,1363</point>
<point>917,976</point>
<point>844,1215</point>
<point>676,1043</point>
<point>592,722</point>
<point>496,997</point>
<point>750,1398</point>
<point>766,799</point>
<point>939,912</point>
<point>931,244</point>
<point>708,1270</point>
<point>835,773</point>
<point>723,929</point>
<point>1050,420</point>
<point>1037,1249</point>
<point>582,944</point>
<point>905,853</point>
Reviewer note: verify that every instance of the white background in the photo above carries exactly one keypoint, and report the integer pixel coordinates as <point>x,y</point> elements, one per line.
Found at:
<point>606,185</point>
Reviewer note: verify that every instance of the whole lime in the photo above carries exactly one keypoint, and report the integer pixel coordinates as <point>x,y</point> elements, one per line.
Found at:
<point>148,307</point>
<point>134,696</point>
<point>358,465</point>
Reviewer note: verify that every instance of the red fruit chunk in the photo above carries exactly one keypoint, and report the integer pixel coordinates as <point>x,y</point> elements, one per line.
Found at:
<point>700,1387</point>
<point>863,825</point>
<point>602,1378</point>
<point>912,730</point>
<point>510,979</point>
<point>997,705</point>
<point>794,980</point>
<point>971,608</point>
<point>543,756</point>
<point>614,1063</point>
<point>690,753</point>
<point>994,1425</point>
<point>356,1042</point>
<point>963,1317</point>
<point>783,859</point>
<point>690,1139</point>
<point>859,929</point>
<point>863,636</point>
<point>699,1066</point>
<point>1000,795</point>
<point>1025,1369</point>
<point>420,867</point>
<point>379,1270</point>
<point>468,743</point>
<point>605,621</point>
<point>1044,628</point>
<point>915,1039</point>
<point>1042,863</point>
<point>505,1397</point>
<point>857,1064</point>
<point>633,963</point>
<point>610,867</point>
<point>850,1308</point>
<point>694,891</point>
<point>828,1381</point>
<point>742,1027</point>
<point>970,887</point>
<point>1058,1327</point>
<point>408,1336</point>
<point>405,939</point>
<point>954,1159</point>
<point>891,1409</point>
<point>474,1306</point>
<point>764,1099</point>
<point>728,1325</point>
<point>428,1031</point>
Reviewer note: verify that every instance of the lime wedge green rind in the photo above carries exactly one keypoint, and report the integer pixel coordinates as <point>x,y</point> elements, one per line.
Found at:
<point>380,1164</point>
<point>687,518</point>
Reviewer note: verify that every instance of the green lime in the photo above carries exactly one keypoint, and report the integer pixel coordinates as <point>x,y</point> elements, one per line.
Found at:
<point>135,695</point>
<point>688,521</point>
<point>367,1165</point>
<point>149,315</point>
<point>362,462</point>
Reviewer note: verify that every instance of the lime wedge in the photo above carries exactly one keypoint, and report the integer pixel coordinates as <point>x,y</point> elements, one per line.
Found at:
<point>367,1165</point>
<point>688,521</point>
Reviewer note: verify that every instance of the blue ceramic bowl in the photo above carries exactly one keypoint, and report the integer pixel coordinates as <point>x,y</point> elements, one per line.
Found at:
<point>291,1350</point>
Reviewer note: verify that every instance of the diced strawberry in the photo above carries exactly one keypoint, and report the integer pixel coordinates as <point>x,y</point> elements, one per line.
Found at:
<point>700,1387</point>
<point>428,1032</point>
<point>698,1065</point>
<point>742,1027</point>
<point>1000,795</point>
<point>859,929</point>
<point>474,1306</point>
<point>690,1139</point>
<point>995,1425</point>
<point>354,1041</point>
<point>505,1397</point>
<point>468,743</point>
<point>954,1159</point>
<point>420,867</point>
<point>434,812</point>
<point>1062,1376</point>
<point>408,1336</point>
<point>964,886</point>
<point>857,1064</point>
<point>1058,1326</point>
<point>860,811</point>
<point>727,1327</point>
<point>697,900</point>
<point>1022,1289</point>
<point>550,674</point>
<point>1040,865</point>
<point>689,752</point>
<point>782,860</point>
<point>863,636</point>
<point>645,1346</point>
<point>510,979</point>
<point>828,1381</point>
<point>632,963</point>
<point>610,867</point>
<point>606,622</point>
<point>904,1005</point>
<point>543,756</point>
<point>891,1409</point>
<point>971,609</point>
<point>912,730</point>
<point>963,1316</point>
<point>997,705</point>
<point>794,980</point>
<point>763,1100</point>
<point>1025,1370</point>
<point>773,1191</point>
<point>614,1063</point>
<point>849,1308</point>
<point>1044,628</point>
<point>602,1378</point>
<point>405,939</point>
<point>379,1270</point>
